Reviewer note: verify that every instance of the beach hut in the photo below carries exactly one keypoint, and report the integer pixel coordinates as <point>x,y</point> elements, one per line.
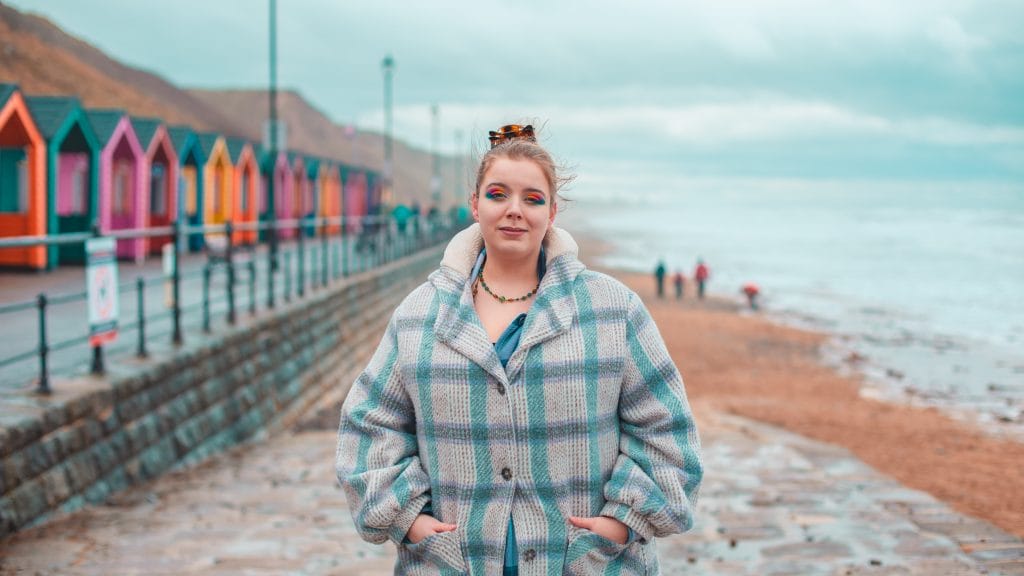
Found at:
<point>330,193</point>
<point>72,172</point>
<point>245,185</point>
<point>191,161</point>
<point>312,193</point>
<point>124,202</point>
<point>299,191</point>
<point>218,178</point>
<point>160,176</point>
<point>23,203</point>
<point>275,170</point>
<point>354,203</point>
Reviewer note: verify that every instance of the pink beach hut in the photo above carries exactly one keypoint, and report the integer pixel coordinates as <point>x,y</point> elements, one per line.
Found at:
<point>124,203</point>
<point>278,171</point>
<point>160,176</point>
<point>354,186</point>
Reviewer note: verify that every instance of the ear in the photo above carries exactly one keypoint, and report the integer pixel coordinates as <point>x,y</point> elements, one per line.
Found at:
<point>474,204</point>
<point>554,212</point>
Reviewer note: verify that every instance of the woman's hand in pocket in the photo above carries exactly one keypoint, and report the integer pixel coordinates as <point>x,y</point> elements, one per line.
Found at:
<point>425,526</point>
<point>609,528</point>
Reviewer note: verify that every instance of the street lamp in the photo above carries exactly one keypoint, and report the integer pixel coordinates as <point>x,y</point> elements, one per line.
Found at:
<point>388,67</point>
<point>435,178</point>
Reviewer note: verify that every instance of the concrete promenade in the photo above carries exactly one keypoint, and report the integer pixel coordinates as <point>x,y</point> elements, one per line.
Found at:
<point>772,503</point>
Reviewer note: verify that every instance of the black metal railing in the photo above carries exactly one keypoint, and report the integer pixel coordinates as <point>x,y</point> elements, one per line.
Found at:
<point>301,255</point>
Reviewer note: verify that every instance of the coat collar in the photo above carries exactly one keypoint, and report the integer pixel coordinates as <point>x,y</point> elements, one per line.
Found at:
<point>551,314</point>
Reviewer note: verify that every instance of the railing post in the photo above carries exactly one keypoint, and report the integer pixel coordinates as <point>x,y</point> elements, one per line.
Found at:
<point>271,262</point>
<point>44,348</point>
<point>287,276</point>
<point>229,259</point>
<point>302,261</point>
<point>140,287</point>
<point>344,246</point>
<point>206,298</point>
<point>176,289</point>
<point>252,285</point>
<point>324,249</point>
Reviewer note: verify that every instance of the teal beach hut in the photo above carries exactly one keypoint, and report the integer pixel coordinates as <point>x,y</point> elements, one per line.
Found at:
<point>191,161</point>
<point>73,171</point>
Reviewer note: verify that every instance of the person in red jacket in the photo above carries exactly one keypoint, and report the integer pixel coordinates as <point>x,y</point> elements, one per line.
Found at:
<point>701,275</point>
<point>751,291</point>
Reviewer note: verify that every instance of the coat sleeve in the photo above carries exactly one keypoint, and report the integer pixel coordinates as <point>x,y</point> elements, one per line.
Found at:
<point>377,461</point>
<point>655,481</point>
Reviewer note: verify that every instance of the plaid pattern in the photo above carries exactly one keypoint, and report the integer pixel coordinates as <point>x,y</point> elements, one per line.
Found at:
<point>597,423</point>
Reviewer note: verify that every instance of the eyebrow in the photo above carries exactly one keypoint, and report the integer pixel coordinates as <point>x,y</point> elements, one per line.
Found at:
<point>506,187</point>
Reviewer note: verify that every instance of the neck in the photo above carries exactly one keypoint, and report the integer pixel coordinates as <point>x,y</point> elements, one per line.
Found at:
<point>512,272</point>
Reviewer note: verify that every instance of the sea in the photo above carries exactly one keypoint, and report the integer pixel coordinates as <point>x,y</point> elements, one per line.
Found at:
<point>921,286</point>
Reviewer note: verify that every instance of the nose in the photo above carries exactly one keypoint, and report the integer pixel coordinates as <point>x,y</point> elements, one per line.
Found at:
<point>515,208</point>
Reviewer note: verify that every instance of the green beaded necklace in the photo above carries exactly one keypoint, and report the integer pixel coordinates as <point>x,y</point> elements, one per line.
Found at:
<point>505,299</point>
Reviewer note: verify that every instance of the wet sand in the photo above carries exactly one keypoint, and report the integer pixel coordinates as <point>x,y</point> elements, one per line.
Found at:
<point>743,364</point>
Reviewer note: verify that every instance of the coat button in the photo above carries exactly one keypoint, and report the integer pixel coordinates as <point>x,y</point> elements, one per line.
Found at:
<point>529,555</point>
<point>506,473</point>
<point>501,389</point>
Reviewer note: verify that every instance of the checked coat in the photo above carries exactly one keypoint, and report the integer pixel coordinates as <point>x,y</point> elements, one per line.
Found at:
<point>589,418</point>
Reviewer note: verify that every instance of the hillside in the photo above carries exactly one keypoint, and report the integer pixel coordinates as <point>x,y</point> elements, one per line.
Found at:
<point>44,60</point>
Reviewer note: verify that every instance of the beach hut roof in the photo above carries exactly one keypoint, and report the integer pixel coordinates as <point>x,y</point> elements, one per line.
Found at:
<point>6,90</point>
<point>104,122</point>
<point>235,147</point>
<point>184,141</point>
<point>312,167</point>
<point>51,112</point>
<point>145,129</point>
<point>207,140</point>
<point>293,156</point>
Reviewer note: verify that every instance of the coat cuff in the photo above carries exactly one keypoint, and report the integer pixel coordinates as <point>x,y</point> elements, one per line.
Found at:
<point>400,527</point>
<point>638,524</point>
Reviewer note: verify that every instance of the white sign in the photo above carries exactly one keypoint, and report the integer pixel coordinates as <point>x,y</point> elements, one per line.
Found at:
<point>101,289</point>
<point>169,264</point>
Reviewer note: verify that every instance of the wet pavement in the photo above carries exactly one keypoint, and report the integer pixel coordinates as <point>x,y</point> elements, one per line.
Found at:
<point>772,503</point>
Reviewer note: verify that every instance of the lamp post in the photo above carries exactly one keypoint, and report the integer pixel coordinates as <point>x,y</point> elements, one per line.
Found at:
<point>272,148</point>
<point>388,68</point>
<point>459,176</point>
<point>435,178</point>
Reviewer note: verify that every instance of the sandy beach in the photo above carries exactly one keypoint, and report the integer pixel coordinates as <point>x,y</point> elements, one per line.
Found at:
<point>746,365</point>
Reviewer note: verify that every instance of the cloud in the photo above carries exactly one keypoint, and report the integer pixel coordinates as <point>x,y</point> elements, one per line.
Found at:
<point>960,46</point>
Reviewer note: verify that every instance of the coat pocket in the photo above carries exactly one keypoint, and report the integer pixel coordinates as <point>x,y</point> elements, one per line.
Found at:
<point>588,553</point>
<point>440,551</point>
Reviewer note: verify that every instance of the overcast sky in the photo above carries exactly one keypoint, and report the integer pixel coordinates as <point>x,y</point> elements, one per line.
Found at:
<point>877,90</point>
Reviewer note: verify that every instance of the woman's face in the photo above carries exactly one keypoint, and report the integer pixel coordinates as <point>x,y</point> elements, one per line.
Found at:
<point>515,207</point>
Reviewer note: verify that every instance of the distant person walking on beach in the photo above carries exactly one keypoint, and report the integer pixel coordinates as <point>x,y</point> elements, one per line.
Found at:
<point>701,275</point>
<point>659,277</point>
<point>479,406</point>
<point>679,280</point>
<point>751,291</point>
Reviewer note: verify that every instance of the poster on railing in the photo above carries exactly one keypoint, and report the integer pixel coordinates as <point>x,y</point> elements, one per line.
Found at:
<point>101,289</point>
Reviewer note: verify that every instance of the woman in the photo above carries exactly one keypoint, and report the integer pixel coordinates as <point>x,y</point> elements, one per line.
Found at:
<point>521,414</point>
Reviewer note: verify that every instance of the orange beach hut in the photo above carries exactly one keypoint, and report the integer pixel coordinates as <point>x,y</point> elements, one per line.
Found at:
<point>22,179</point>
<point>218,179</point>
<point>245,188</point>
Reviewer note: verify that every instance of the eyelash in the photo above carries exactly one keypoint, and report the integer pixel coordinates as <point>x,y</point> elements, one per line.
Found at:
<point>497,194</point>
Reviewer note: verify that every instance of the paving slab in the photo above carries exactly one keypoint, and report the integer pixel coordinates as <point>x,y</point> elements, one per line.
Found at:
<point>772,503</point>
